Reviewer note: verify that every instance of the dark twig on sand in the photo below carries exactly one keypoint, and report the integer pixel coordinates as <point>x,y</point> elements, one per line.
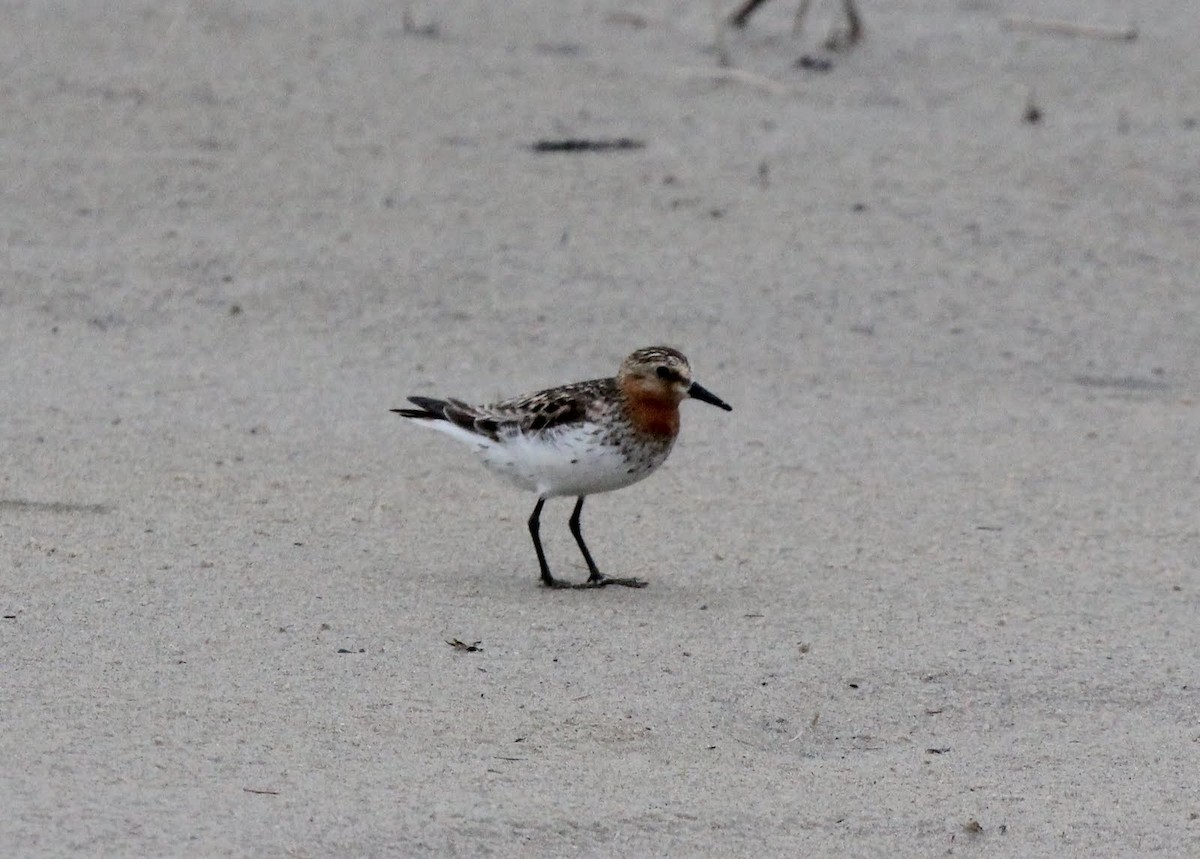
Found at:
<point>472,647</point>
<point>571,144</point>
<point>1068,28</point>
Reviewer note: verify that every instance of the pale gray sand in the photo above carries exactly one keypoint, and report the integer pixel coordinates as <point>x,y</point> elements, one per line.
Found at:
<point>938,567</point>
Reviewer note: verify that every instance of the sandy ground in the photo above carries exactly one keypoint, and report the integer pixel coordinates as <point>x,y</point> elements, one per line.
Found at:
<point>931,588</point>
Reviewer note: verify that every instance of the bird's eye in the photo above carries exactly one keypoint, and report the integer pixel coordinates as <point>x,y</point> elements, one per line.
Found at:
<point>664,372</point>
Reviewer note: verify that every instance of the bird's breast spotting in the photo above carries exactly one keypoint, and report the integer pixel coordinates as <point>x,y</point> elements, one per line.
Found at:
<point>581,459</point>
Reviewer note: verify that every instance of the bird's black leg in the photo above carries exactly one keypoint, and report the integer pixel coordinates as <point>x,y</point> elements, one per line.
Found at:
<point>534,523</point>
<point>595,578</point>
<point>577,533</point>
<point>742,14</point>
<point>840,40</point>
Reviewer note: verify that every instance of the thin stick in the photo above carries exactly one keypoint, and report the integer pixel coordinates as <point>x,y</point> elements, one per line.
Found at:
<point>1068,28</point>
<point>741,76</point>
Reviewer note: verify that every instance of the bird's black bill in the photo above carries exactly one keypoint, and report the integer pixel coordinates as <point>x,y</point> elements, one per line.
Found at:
<point>698,392</point>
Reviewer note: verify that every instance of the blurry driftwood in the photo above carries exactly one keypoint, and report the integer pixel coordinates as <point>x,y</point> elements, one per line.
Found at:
<point>1067,28</point>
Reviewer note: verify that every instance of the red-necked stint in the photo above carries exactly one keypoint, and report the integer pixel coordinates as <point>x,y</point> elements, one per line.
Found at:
<point>577,439</point>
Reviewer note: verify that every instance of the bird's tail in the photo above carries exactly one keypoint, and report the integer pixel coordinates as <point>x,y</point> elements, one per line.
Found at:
<point>429,409</point>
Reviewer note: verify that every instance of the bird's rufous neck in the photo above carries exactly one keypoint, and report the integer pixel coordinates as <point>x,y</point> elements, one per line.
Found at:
<point>651,410</point>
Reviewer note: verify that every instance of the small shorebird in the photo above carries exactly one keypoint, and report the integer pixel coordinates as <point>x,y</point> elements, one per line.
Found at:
<point>577,439</point>
<point>838,40</point>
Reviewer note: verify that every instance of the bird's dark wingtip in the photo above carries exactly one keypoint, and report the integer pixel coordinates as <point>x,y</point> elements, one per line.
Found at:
<point>420,414</point>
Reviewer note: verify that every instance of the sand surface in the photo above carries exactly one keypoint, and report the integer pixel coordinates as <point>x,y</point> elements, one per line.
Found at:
<point>930,588</point>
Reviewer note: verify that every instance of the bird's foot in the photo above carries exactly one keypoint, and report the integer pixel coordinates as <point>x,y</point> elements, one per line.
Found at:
<point>594,582</point>
<point>599,581</point>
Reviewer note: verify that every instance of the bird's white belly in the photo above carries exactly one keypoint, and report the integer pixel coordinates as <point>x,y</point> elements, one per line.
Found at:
<point>579,460</point>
